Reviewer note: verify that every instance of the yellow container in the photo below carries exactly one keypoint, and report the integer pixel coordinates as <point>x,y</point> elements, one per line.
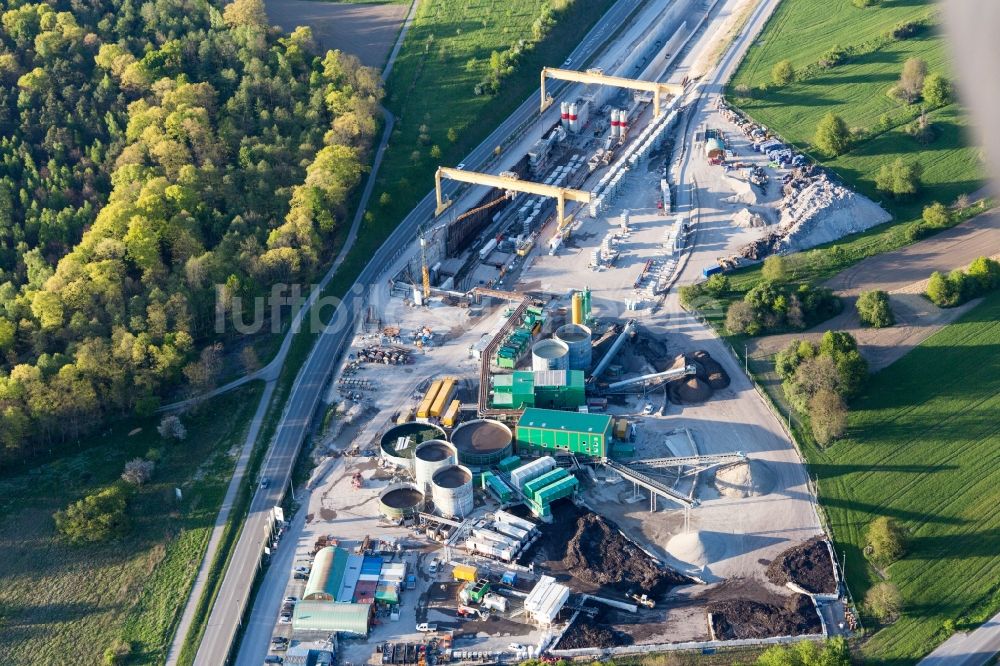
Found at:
<point>451,414</point>
<point>424,410</point>
<point>443,396</point>
<point>465,572</point>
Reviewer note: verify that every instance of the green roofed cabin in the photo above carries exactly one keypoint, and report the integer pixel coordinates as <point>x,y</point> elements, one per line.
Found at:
<point>548,431</point>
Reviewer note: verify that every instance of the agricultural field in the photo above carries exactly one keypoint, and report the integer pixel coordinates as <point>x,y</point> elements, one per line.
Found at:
<point>802,31</point>
<point>923,447</point>
<point>58,599</point>
<point>432,89</point>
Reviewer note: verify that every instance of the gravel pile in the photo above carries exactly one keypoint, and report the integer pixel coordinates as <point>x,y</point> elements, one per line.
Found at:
<point>823,211</point>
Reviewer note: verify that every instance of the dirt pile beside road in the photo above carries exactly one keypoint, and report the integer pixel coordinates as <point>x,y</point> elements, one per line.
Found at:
<point>808,565</point>
<point>709,377</point>
<point>744,618</point>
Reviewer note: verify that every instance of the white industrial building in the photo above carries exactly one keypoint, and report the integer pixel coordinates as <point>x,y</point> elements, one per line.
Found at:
<point>545,600</point>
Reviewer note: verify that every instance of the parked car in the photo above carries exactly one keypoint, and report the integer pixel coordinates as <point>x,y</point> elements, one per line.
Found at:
<point>300,576</point>
<point>279,647</point>
<point>279,640</point>
<point>304,570</point>
<point>427,626</point>
<point>274,659</point>
<point>516,647</point>
<point>291,600</point>
<point>433,566</point>
<point>286,618</point>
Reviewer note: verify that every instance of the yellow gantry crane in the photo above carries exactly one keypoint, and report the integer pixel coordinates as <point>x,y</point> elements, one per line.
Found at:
<point>594,76</point>
<point>509,181</point>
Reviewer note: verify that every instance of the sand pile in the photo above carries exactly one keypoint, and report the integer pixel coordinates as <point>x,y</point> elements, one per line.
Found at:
<point>695,548</point>
<point>747,220</point>
<point>599,553</point>
<point>735,481</point>
<point>743,192</point>
<point>744,618</point>
<point>808,565</point>
<point>823,211</point>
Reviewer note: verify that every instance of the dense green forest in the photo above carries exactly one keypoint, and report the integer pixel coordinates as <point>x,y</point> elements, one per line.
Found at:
<point>150,151</point>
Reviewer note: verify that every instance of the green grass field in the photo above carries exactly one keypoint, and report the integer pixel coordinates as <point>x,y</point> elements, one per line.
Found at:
<point>62,602</point>
<point>924,447</point>
<point>445,54</point>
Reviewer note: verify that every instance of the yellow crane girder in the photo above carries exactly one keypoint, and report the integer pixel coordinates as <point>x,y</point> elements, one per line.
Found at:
<point>604,80</point>
<point>560,194</point>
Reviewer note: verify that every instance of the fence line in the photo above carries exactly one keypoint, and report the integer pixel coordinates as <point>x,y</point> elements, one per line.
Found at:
<point>820,510</point>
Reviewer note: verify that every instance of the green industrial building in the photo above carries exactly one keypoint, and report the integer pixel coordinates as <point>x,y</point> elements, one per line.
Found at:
<point>551,431</point>
<point>551,389</point>
<point>330,617</point>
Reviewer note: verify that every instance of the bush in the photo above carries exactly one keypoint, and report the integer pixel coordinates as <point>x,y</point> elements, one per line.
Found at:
<point>828,416</point>
<point>937,215</point>
<point>717,284</point>
<point>936,90</point>
<point>782,73</point>
<point>942,291</point>
<point>985,273</point>
<point>898,179</point>
<point>833,652</point>
<point>740,319</point>
<point>886,541</point>
<point>117,653</point>
<point>874,309</point>
<point>833,136</point>
<point>884,601</point>
<point>138,471</point>
<point>96,517</point>
<point>775,268</point>
<point>171,428</point>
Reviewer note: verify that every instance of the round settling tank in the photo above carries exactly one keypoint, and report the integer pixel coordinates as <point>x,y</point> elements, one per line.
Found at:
<point>451,490</point>
<point>482,442</point>
<point>428,458</point>
<point>400,451</point>
<point>549,355</point>
<point>577,339</point>
<point>400,500</point>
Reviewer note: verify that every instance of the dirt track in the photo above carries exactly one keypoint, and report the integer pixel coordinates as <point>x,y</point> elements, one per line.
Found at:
<point>902,273</point>
<point>365,30</point>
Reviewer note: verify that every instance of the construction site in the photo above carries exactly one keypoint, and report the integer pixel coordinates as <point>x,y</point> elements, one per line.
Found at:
<point>561,461</point>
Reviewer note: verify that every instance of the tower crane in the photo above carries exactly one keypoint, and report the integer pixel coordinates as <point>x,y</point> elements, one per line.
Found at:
<point>425,272</point>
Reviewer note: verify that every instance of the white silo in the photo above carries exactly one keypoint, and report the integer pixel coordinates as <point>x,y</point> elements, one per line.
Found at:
<point>549,355</point>
<point>564,114</point>
<point>451,490</point>
<point>428,458</point>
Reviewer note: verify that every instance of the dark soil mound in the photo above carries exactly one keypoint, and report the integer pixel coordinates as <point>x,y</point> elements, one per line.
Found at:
<point>690,390</point>
<point>710,370</point>
<point>598,553</point>
<point>807,565</point>
<point>743,618</point>
<point>596,633</point>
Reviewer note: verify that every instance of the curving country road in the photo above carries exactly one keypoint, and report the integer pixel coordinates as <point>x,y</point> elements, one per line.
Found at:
<point>312,379</point>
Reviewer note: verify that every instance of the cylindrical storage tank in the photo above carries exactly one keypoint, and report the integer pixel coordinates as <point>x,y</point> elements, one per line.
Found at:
<point>400,501</point>
<point>586,305</point>
<point>549,355</point>
<point>428,458</point>
<point>577,308</point>
<point>482,443</point>
<point>577,338</point>
<point>451,490</point>
<point>416,433</point>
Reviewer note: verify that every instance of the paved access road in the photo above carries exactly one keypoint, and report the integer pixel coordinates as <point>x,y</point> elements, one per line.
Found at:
<point>972,649</point>
<point>313,376</point>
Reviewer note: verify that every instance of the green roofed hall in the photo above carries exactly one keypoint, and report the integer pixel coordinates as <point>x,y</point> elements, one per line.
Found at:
<point>551,430</point>
<point>330,617</point>
<point>327,573</point>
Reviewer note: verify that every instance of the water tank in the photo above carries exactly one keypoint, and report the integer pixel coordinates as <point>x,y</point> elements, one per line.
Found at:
<point>398,443</point>
<point>482,442</point>
<point>451,489</point>
<point>577,338</point>
<point>400,500</point>
<point>549,355</point>
<point>428,458</point>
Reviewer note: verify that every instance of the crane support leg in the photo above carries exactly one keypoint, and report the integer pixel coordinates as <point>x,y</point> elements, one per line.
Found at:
<point>441,203</point>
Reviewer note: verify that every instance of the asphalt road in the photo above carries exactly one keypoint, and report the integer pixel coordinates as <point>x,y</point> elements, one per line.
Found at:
<point>311,381</point>
<point>968,649</point>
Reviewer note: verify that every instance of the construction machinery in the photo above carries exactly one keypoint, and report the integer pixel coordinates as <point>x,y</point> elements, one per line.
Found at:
<point>595,77</point>
<point>357,480</point>
<point>508,181</point>
<point>641,599</point>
